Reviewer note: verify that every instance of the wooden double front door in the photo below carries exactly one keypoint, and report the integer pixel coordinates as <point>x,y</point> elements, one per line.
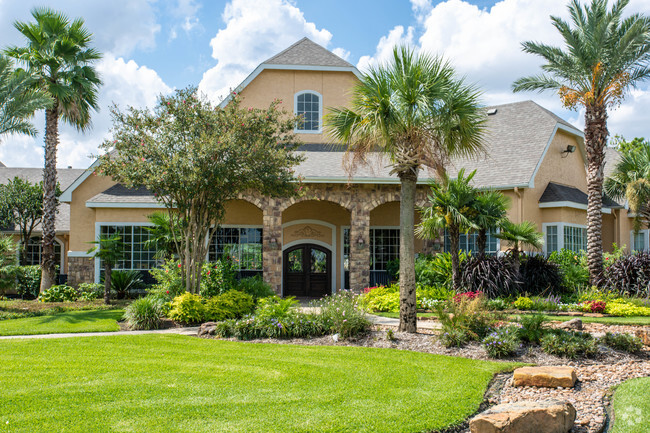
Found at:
<point>307,271</point>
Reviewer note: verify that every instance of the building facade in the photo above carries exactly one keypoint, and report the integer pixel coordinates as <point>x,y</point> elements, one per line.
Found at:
<point>345,229</point>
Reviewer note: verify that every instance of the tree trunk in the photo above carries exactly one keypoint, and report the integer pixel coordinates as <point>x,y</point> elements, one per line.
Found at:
<point>595,140</point>
<point>454,247</point>
<point>407,304</point>
<point>108,269</point>
<point>481,242</point>
<point>50,201</point>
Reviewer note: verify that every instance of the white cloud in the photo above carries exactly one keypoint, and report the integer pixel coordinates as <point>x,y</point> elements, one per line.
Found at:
<point>125,83</point>
<point>118,26</point>
<point>255,30</point>
<point>342,53</point>
<point>484,44</point>
<point>397,36</point>
<point>186,11</point>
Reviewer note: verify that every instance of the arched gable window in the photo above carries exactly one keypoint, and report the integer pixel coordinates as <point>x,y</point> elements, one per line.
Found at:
<point>309,106</point>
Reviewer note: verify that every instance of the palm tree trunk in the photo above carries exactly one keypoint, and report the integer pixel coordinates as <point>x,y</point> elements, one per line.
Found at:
<point>595,140</point>
<point>108,269</point>
<point>407,304</point>
<point>50,201</point>
<point>481,242</point>
<point>454,246</point>
<point>515,259</point>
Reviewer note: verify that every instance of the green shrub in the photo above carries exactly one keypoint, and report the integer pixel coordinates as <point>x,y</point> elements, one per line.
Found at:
<point>217,278</point>
<point>524,303</point>
<point>381,299</point>
<point>435,270</point>
<point>28,279</point>
<point>125,282</point>
<point>502,342</point>
<point>90,291</point>
<point>187,308</point>
<point>60,293</point>
<point>569,344</point>
<point>168,279</point>
<point>232,304</point>
<point>497,304</point>
<point>143,313</point>
<point>531,327</point>
<point>625,342</point>
<point>467,318</point>
<point>341,314</point>
<point>293,324</point>
<point>392,269</point>
<point>437,293</point>
<point>575,272</point>
<point>623,308</point>
<point>454,337</point>
<point>256,287</point>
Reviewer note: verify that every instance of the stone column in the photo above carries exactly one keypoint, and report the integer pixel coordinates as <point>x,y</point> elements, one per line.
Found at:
<point>272,244</point>
<point>359,253</point>
<point>80,270</point>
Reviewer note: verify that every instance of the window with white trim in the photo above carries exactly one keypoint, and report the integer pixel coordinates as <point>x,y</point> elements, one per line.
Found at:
<point>34,251</point>
<point>242,244</point>
<point>468,243</point>
<point>639,240</point>
<point>138,251</point>
<point>572,237</point>
<point>384,247</point>
<point>308,105</point>
<point>575,238</point>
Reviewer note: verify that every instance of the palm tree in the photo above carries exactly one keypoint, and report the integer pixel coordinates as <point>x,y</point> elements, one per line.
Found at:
<point>452,206</point>
<point>18,100</point>
<point>417,112</point>
<point>491,208</point>
<point>161,236</point>
<point>631,181</point>
<point>59,58</point>
<point>604,55</point>
<point>110,250</point>
<point>519,235</point>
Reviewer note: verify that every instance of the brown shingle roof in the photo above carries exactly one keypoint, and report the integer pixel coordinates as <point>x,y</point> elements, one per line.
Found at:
<point>120,194</point>
<point>305,52</point>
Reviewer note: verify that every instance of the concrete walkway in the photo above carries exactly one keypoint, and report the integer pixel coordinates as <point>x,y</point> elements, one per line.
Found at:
<point>191,331</point>
<point>389,321</point>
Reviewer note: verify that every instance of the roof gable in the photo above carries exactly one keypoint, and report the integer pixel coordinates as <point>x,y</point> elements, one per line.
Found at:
<point>307,53</point>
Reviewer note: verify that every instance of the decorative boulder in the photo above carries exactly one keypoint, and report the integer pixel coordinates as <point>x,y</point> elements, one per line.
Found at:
<point>207,328</point>
<point>546,377</point>
<point>571,324</point>
<point>644,335</point>
<point>546,416</point>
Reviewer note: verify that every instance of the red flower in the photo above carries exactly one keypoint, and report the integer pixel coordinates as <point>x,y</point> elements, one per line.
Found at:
<point>167,292</point>
<point>179,265</point>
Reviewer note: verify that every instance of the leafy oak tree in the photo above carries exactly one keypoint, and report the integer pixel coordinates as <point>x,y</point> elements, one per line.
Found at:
<point>195,157</point>
<point>21,205</point>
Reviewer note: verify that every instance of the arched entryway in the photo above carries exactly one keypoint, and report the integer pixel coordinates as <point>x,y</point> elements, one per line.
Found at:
<point>307,271</point>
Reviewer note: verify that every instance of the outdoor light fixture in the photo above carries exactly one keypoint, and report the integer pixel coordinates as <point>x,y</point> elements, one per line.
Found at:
<point>273,242</point>
<point>569,149</point>
<point>360,242</point>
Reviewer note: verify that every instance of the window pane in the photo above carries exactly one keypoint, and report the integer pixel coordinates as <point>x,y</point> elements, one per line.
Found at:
<point>242,245</point>
<point>384,247</point>
<point>308,106</point>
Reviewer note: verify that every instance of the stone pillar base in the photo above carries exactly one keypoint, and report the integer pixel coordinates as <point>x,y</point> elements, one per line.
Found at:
<point>81,270</point>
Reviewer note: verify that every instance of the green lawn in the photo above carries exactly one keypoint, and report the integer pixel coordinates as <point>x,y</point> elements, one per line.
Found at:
<point>635,320</point>
<point>69,321</point>
<point>632,406</point>
<point>172,383</point>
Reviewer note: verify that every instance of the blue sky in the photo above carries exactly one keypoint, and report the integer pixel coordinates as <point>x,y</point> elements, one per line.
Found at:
<point>154,46</point>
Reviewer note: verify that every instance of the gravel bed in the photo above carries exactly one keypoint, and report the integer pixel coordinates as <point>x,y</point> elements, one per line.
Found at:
<point>588,396</point>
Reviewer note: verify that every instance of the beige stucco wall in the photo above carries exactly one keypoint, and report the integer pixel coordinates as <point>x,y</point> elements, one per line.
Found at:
<point>273,84</point>
<point>82,218</point>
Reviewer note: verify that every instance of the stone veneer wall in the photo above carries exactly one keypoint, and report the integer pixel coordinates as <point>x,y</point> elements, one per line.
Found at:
<point>358,199</point>
<point>81,270</point>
